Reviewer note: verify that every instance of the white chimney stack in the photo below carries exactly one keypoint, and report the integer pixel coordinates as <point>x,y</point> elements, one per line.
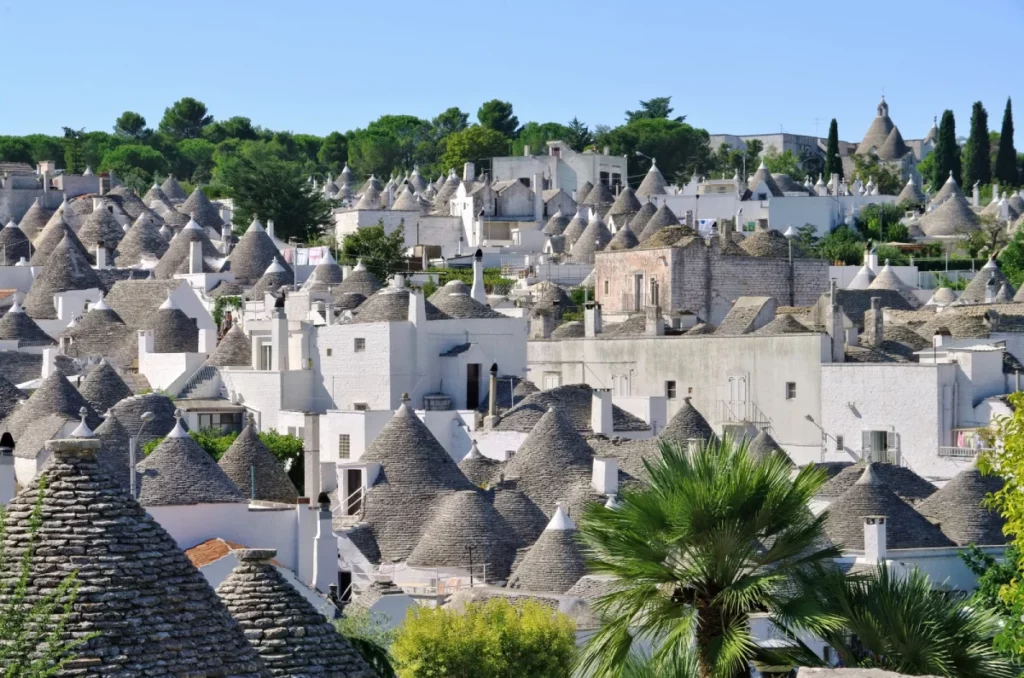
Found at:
<point>101,256</point>
<point>874,539</point>
<point>605,480</point>
<point>601,411</point>
<point>477,291</point>
<point>195,256</point>
<point>279,341</point>
<point>7,490</point>
<point>325,550</point>
<point>592,319</point>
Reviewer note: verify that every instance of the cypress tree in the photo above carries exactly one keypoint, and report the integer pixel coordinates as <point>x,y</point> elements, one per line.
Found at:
<point>947,153</point>
<point>833,163</point>
<point>1006,159</point>
<point>977,157</point>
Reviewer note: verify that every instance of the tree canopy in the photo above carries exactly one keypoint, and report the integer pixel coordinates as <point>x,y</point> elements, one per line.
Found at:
<point>131,125</point>
<point>382,253</point>
<point>653,109</point>
<point>497,115</point>
<point>833,163</point>
<point>947,153</point>
<point>1005,169</point>
<point>976,161</point>
<point>473,144</point>
<point>185,119</point>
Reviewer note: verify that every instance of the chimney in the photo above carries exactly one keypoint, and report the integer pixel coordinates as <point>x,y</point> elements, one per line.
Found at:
<point>278,341</point>
<point>270,228</point>
<point>346,271</point>
<point>605,479</point>
<point>477,291</point>
<point>976,194</point>
<point>654,324</point>
<point>7,490</point>
<point>101,256</point>
<point>325,548</point>
<point>991,287</point>
<point>225,239</point>
<point>538,197</point>
<point>873,318</point>
<point>97,204</point>
<point>391,195</point>
<point>306,517</point>
<point>492,391</point>
<point>874,539</point>
<point>542,324</point>
<point>417,309</point>
<point>526,150</point>
<point>941,337</point>
<point>835,329</point>
<point>49,362</point>
<point>601,411</point>
<point>329,311</point>
<point>195,256</point>
<point>468,172</point>
<point>607,150</point>
<point>592,319</point>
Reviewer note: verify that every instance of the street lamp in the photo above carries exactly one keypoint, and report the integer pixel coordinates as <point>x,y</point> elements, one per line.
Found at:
<point>133,445</point>
<point>791,233</point>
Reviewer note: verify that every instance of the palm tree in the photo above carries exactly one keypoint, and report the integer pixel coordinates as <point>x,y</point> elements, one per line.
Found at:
<point>900,623</point>
<point>714,537</point>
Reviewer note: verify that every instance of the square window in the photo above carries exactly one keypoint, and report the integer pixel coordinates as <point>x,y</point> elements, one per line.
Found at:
<point>689,390</point>
<point>839,443</point>
<point>344,446</point>
<point>790,390</point>
<point>360,344</point>
<point>670,390</point>
<point>360,407</point>
<point>330,352</point>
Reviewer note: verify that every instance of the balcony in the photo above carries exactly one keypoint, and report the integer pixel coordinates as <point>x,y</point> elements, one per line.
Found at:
<point>962,452</point>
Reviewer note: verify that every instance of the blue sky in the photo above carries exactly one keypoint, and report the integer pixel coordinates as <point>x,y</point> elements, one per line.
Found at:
<point>739,67</point>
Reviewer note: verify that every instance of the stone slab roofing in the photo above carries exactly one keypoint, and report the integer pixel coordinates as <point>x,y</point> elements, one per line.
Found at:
<point>555,562</point>
<point>291,637</point>
<point>103,387</point>
<point>906,484</point>
<point>254,470</point>
<point>957,508</point>
<point>574,402</point>
<point>155,614</point>
<point>180,473</point>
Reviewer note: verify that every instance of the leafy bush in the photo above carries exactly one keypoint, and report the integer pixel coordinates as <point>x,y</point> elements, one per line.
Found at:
<point>893,255</point>
<point>367,633</point>
<point>843,245</point>
<point>494,281</point>
<point>881,223</point>
<point>495,639</point>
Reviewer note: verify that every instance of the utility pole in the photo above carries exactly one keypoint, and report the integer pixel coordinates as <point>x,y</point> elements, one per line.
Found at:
<point>470,549</point>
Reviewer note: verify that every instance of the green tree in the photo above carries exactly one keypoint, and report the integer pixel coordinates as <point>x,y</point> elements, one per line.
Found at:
<point>536,135</point>
<point>263,185</point>
<point>369,635</point>
<point>125,160</point>
<point>185,119</point>
<point>131,125</point>
<point>381,253</point>
<point>976,160</point>
<point>842,246</point>
<point>473,144</point>
<point>753,155</point>
<point>74,155</point>
<point>495,639</point>
<point>237,127</point>
<point>198,156</point>
<point>579,136</point>
<point>653,109</point>
<point>497,115</point>
<point>901,622</point>
<point>31,631</point>
<point>333,152</point>
<point>947,152</point>
<point>449,121</point>
<point>374,151</point>
<point>675,145</point>
<point>833,162</point>
<point>782,163</point>
<point>1011,259</point>
<point>16,149</point>
<point>714,537</point>
<point>1006,158</point>
<point>868,168</point>
<point>45,147</point>
<point>881,223</point>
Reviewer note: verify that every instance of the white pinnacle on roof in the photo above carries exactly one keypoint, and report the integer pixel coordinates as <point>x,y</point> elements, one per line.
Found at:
<point>762,166</point>
<point>274,267</point>
<point>255,226</point>
<point>192,225</point>
<point>16,308</point>
<point>177,431</point>
<point>561,520</point>
<point>612,503</point>
<point>862,280</point>
<point>101,305</point>
<point>820,181</point>
<point>87,172</point>
<point>990,264</point>
<point>83,430</point>
<point>168,303</point>
<point>166,231</point>
<point>359,266</point>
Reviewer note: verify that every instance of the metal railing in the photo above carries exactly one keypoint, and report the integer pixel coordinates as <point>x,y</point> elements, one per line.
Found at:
<point>961,452</point>
<point>356,496</point>
<point>743,411</point>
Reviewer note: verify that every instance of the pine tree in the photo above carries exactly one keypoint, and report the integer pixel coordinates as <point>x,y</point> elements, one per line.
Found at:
<point>1006,160</point>
<point>833,163</point>
<point>947,153</point>
<point>976,156</point>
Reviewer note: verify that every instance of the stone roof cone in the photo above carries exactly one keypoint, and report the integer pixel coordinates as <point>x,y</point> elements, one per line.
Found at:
<point>254,470</point>
<point>34,220</point>
<point>687,424</point>
<point>653,184</point>
<point>172,189</point>
<point>253,253</point>
<point>126,561</point>
<point>478,468</point>
<point>14,245</point>
<point>199,207</point>
<point>555,562</point>
<point>103,387</point>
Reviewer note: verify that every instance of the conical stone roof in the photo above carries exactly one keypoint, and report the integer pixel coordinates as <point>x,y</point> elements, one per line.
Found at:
<point>273,279</point>
<point>599,197</point>
<point>662,218</point>
<point>199,207</point>
<point>869,496</point>
<point>124,562</point>
<point>130,202</point>
<point>254,470</point>
<point>687,424</point>
<point>583,191</point>
<point>653,184</point>
<point>156,193</point>
<point>10,396</point>
<point>326,274</point>
<point>574,229</point>
<point>878,132</point>
<point>450,287</point>
<point>551,461</point>
<point>16,325</point>
<point>46,242</point>
<point>893,148</point>
<point>34,220</point>
<point>911,193</point>
<point>114,456</point>
<point>903,482</point>
<point>888,280</point>
<point>625,206</point>
<point>948,190</point>
<point>595,237</point>
<point>100,226</point>
<point>172,189</point>
<point>556,224</point>
<point>67,268</point>
<point>415,471</point>
<point>1005,294</point>
<point>143,237</point>
<point>624,239</point>
<point>958,508</point>
<point>292,638</point>
<point>177,252</point>
<point>782,324</point>
<point>406,202</point>
<point>462,520</point>
<point>359,281</point>
<point>953,217</point>
<point>445,193</point>
<point>102,332</point>
<point>14,245</point>
<point>763,446</point>
<point>180,473</point>
<point>55,395</point>
<point>477,468</point>
<point>977,289</point>
<point>103,387</point>
<point>640,219</point>
<point>417,181</point>
<point>555,562</point>
<point>521,514</point>
<point>252,255</point>
<point>234,350</point>
<point>762,177</point>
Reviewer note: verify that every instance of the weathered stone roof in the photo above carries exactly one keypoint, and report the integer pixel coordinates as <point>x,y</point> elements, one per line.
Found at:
<point>34,220</point>
<point>142,238</point>
<point>254,470</point>
<point>292,638</point>
<point>103,387</point>
<point>172,189</point>
<point>687,424</point>
<point>55,395</point>
<point>234,350</point>
<point>359,281</point>
<point>14,245</point>
<point>127,567</point>
<point>764,446</point>
<point>273,279</point>
<point>252,255</point>
<point>906,484</point>
<point>177,254</point>
<point>16,325</point>
<point>67,268</point>
<point>199,207</point>
<point>555,562</point>
<point>953,217</point>
<point>653,184</point>
<point>556,224</point>
<point>958,508</point>
<point>478,468</point>
<point>573,401</point>
<point>179,472</point>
